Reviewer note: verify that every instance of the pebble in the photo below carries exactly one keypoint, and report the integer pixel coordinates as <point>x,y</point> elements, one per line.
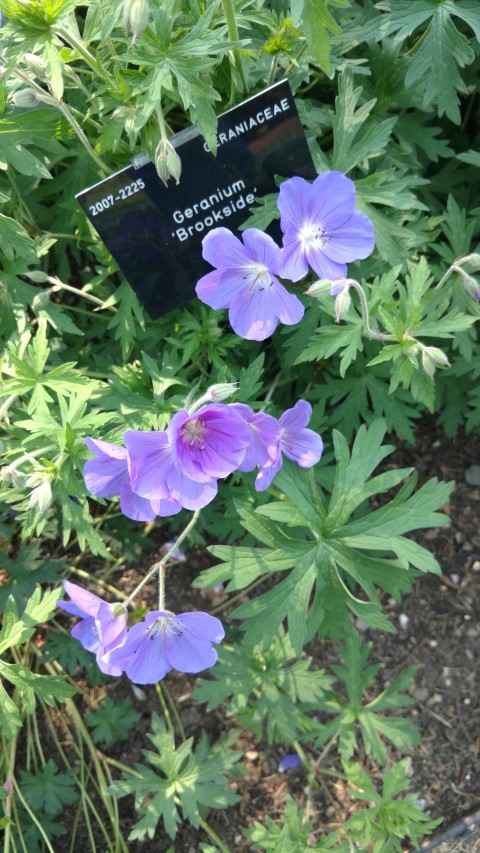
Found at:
<point>403,621</point>
<point>472,475</point>
<point>476,566</point>
<point>455,578</point>
<point>420,693</point>
<point>433,644</point>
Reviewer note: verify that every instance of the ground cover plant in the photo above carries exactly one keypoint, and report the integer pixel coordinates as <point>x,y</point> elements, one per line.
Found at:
<point>202,506</point>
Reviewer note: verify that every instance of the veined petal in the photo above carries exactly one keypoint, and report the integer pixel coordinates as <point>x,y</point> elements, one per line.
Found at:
<point>323,266</point>
<point>86,632</point>
<point>294,205</point>
<point>223,250</point>
<point>217,288</point>
<point>262,248</point>
<point>149,459</point>
<point>305,448</point>
<point>106,473</point>
<point>352,241</point>
<point>251,315</point>
<point>134,506</point>
<point>288,307</point>
<point>267,473</point>
<point>332,200</point>
<point>293,264</point>
<point>188,493</point>
<point>297,417</point>
<point>83,603</point>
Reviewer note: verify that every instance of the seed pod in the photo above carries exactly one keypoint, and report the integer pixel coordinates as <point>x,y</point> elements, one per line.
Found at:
<point>167,162</point>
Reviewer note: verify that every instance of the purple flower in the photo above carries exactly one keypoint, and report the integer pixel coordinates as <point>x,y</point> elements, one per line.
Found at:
<point>154,475</point>
<point>265,438</point>
<point>210,443</point>
<point>321,227</point>
<point>107,476</point>
<point>301,445</point>
<point>163,641</point>
<point>289,762</point>
<point>245,282</point>
<point>103,626</point>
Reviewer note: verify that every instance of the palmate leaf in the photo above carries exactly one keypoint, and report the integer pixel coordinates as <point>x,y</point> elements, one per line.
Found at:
<point>345,560</point>
<point>190,777</point>
<point>112,721</point>
<point>353,712</point>
<point>48,789</point>
<point>440,50</point>
<point>264,687</point>
<point>25,571</point>
<point>293,835</point>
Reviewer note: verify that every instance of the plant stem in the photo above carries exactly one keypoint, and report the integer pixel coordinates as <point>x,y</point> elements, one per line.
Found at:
<point>371,333</point>
<point>161,563</point>
<point>83,139</point>
<point>83,51</point>
<point>229,12</point>
<point>213,835</point>
<point>60,285</point>
<point>174,710</point>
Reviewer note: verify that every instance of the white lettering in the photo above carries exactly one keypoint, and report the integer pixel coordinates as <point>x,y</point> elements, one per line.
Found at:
<point>178,217</point>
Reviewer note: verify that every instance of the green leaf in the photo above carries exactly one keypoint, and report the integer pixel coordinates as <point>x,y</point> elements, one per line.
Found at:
<point>38,609</point>
<point>48,790</point>
<point>112,721</point>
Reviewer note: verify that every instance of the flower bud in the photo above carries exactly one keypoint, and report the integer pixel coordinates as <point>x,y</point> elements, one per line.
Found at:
<point>41,495</point>
<point>342,304</point>
<point>36,65</point>
<point>222,391</point>
<point>472,286</point>
<point>167,162</point>
<point>319,288</point>
<point>28,98</point>
<point>431,358</point>
<point>135,16</point>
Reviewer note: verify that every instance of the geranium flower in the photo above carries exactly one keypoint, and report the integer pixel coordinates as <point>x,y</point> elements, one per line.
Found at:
<point>321,227</point>
<point>107,476</point>
<point>301,445</point>
<point>102,625</point>
<point>265,437</point>
<point>245,282</point>
<point>164,641</point>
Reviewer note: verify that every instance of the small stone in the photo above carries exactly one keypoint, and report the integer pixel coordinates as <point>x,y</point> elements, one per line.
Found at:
<point>361,625</point>
<point>472,475</point>
<point>420,693</point>
<point>476,566</point>
<point>455,578</point>
<point>403,620</point>
<point>433,644</point>
<point>251,755</point>
<point>459,537</point>
<point>467,701</point>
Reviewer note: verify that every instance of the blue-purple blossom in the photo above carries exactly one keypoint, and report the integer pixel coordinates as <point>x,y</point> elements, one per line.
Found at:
<point>321,227</point>
<point>290,761</point>
<point>102,626</point>
<point>164,641</point>
<point>210,443</point>
<point>301,445</point>
<point>107,476</point>
<point>264,438</point>
<point>245,282</point>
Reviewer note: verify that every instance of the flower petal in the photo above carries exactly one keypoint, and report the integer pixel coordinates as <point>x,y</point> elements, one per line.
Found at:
<point>262,248</point>
<point>294,204</point>
<point>83,603</point>
<point>352,241</point>
<point>332,200</point>
<point>223,250</point>
<point>134,506</point>
<point>105,475</point>
<point>294,264</point>
<point>251,315</point>
<point>149,459</point>
<point>217,288</point>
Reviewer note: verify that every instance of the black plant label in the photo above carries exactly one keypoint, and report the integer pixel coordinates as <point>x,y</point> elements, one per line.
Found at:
<point>155,232</point>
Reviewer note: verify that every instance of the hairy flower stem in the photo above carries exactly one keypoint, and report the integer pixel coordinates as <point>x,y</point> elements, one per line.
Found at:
<point>213,835</point>
<point>60,285</point>
<point>371,333</point>
<point>160,566</point>
<point>83,139</point>
<point>229,12</point>
<point>88,57</point>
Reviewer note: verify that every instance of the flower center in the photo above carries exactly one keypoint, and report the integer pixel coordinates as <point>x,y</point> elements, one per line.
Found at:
<point>314,235</point>
<point>166,626</point>
<point>258,278</point>
<point>194,432</point>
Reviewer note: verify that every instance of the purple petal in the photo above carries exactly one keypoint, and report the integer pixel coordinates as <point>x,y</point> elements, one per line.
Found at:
<point>294,264</point>
<point>297,417</point>
<point>267,473</point>
<point>83,603</point>
<point>322,265</point>
<point>188,493</point>
<point>289,762</point>
<point>251,316</point>
<point>262,248</point>
<point>294,204</point>
<point>150,460</point>
<point>166,506</point>
<point>352,241</point>
<point>223,250</point>
<point>202,625</point>
<point>105,475</point>
<point>265,438</point>
<point>288,307</point>
<point>134,506</point>
<point>192,650</point>
<point>305,448</point>
<point>332,200</point>
<point>210,443</point>
<point>217,288</point>
<point>86,632</point>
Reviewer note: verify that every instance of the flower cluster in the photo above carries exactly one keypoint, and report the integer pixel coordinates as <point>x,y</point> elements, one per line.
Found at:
<point>150,648</point>
<point>321,229</point>
<point>159,472</point>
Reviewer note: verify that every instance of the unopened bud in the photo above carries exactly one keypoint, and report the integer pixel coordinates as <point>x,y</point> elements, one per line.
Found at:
<point>167,162</point>
<point>36,65</point>
<point>135,16</point>
<point>28,98</point>
<point>319,288</point>
<point>41,300</point>
<point>222,391</point>
<point>41,495</point>
<point>432,357</point>
<point>472,286</point>
<point>342,304</point>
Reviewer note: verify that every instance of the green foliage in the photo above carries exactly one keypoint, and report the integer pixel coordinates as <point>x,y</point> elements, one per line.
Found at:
<point>192,778</point>
<point>264,688</point>
<point>48,790</point>
<point>28,684</point>
<point>294,835</point>
<point>387,820</point>
<point>352,712</point>
<point>341,554</point>
<point>112,721</point>
<point>27,570</point>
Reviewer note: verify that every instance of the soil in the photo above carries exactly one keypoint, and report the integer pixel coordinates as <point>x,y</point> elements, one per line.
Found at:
<point>438,632</point>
